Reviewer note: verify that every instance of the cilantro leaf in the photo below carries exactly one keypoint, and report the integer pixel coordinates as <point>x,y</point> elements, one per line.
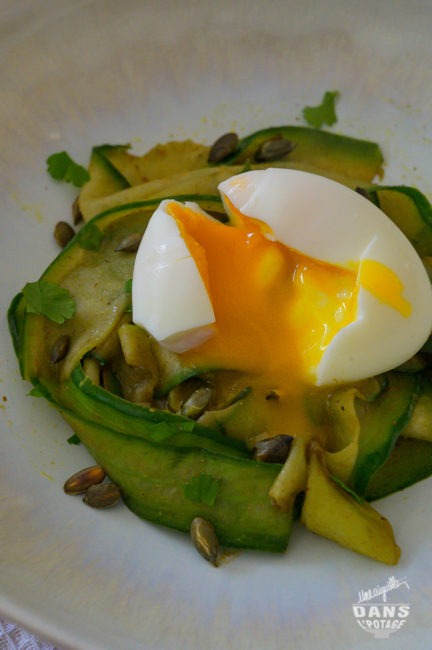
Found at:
<point>202,488</point>
<point>63,168</point>
<point>325,113</point>
<point>49,300</point>
<point>90,237</point>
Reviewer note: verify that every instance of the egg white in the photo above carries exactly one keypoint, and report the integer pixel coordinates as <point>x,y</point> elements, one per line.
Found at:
<point>169,297</point>
<point>318,217</point>
<point>330,222</point>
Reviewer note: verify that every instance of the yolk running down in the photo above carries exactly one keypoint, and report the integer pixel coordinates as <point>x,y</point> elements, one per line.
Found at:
<point>276,309</point>
<point>379,280</point>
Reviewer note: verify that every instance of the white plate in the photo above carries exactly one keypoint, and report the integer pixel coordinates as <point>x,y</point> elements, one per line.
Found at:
<point>81,73</point>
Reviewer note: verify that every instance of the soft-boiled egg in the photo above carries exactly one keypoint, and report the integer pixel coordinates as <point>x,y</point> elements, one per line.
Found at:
<point>309,282</point>
<point>169,296</point>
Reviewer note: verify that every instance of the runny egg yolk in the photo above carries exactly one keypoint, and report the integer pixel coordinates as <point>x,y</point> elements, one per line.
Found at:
<point>379,280</point>
<point>275,315</point>
<point>276,309</point>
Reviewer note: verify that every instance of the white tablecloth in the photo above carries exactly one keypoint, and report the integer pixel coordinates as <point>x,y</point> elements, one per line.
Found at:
<point>13,637</point>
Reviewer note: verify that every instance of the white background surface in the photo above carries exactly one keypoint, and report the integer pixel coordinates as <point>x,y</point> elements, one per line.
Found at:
<point>79,73</point>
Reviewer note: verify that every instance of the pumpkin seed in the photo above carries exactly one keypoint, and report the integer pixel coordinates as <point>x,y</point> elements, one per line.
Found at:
<point>273,149</point>
<point>130,243</point>
<point>205,540</point>
<point>196,404</point>
<point>60,348</point>
<point>63,233</point>
<point>81,481</point>
<point>180,393</point>
<point>273,450</point>
<point>223,147</point>
<point>103,495</point>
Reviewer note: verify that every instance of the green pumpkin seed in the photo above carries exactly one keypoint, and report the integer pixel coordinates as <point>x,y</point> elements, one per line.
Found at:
<point>205,540</point>
<point>130,243</point>
<point>196,404</point>
<point>273,150</point>
<point>63,233</point>
<point>103,495</point>
<point>223,147</point>
<point>60,348</point>
<point>273,450</point>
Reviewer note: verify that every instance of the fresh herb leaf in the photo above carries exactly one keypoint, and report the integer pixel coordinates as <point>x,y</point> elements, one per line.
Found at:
<point>49,300</point>
<point>74,440</point>
<point>325,113</point>
<point>63,168</point>
<point>90,237</point>
<point>202,488</point>
<point>128,286</point>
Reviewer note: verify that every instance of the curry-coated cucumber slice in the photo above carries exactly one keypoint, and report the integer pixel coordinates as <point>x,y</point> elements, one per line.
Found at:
<point>410,210</point>
<point>179,168</point>
<point>350,157</point>
<point>172,369</point>
<point>161,484</point>
<point>16,317</point>
<point>94,403</point>
<point>332,512</point>
<point>382,421</point>
<point>94,274</point>
<point>161,161</point>
<point>105,178</point>
<point>410,462</point>
<point>420,423</point>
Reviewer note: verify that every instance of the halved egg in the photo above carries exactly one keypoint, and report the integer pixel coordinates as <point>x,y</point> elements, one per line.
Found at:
<point>169,296</point>
<point>309,282</point>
